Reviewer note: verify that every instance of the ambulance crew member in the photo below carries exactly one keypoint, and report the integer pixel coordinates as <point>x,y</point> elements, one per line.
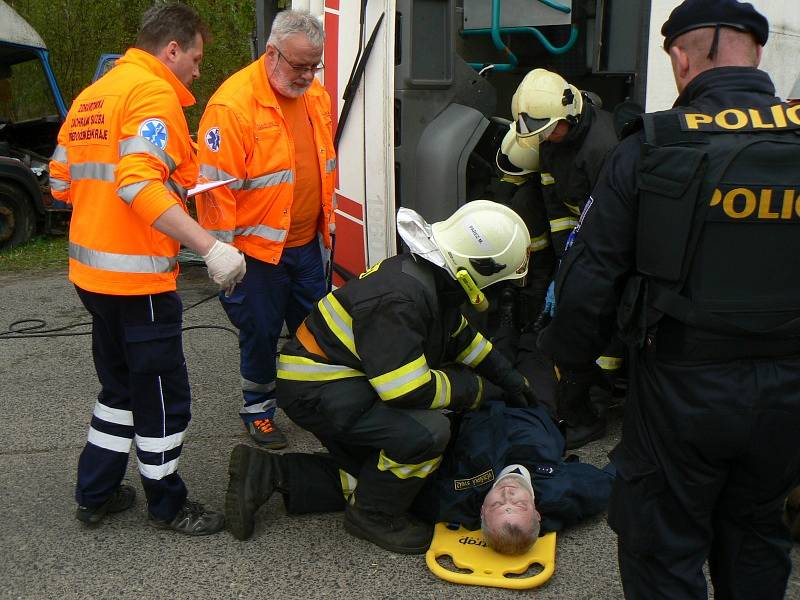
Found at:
<point>372,365</point>
<point>269,126</point>
<point>694,233</point>
<point>124,161</point>
<point>573,137</point>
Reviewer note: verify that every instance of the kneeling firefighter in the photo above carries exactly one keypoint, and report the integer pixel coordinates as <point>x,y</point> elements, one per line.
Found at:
<point>371,367</point>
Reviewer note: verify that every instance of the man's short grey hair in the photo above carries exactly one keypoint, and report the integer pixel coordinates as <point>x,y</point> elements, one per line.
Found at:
<point>289,22</point>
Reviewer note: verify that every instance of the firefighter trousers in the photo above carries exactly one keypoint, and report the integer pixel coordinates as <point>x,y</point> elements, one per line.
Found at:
<point>707,456</point>
<point>138,356</point>
<point>389,451</point>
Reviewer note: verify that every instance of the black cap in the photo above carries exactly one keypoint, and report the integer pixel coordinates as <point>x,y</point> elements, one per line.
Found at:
<point>694,14</point>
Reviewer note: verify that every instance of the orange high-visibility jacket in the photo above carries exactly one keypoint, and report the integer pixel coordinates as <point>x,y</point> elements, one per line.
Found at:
<point>243,134</point>
<point>124,156</point>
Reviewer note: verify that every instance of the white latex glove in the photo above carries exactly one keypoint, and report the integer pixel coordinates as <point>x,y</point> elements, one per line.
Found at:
<point>226,266</point>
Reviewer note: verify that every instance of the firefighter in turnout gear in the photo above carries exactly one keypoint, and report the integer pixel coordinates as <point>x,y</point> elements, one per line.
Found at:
<point>573,136</point>
<point>690,248</point>
<point>513,330</point>
<point>371,367</point>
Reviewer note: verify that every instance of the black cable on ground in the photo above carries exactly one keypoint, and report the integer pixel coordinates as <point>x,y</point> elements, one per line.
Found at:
<point>36,328</point>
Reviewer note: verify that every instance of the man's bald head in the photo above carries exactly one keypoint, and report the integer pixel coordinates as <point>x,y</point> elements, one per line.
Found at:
<point>691,53</point>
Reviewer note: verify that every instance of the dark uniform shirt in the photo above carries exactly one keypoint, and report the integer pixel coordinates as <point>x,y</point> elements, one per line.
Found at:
<point>486,441</point>
<point>571,168</point>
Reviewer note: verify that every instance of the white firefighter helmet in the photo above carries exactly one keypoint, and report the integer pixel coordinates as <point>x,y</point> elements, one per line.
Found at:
<point>542,99</point>
<point>513,159</point>
<point>486,239</point>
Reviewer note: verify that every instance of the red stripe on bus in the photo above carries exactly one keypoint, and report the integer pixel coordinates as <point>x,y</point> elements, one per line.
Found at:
<point>351,207</point>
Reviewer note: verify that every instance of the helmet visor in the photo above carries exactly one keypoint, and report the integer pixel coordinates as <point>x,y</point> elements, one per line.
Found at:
<point>532,140</point>
<point>528,126</point>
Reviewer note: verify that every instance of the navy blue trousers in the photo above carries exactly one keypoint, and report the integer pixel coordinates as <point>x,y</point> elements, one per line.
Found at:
<point>267,296</point>
<point>707,456</point>
<point>138,355</point>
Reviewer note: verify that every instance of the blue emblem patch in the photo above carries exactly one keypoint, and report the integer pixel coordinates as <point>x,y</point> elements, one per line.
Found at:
<point>155,132</point>
<point>213,139</point>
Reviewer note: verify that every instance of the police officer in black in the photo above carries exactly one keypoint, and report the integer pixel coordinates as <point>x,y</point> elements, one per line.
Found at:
<point>690,246</point>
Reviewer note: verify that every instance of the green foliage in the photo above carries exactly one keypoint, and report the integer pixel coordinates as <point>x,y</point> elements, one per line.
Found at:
<point>41,253</point>
<point>77,32</point>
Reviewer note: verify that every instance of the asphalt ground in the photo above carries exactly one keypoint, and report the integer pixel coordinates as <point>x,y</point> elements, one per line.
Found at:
<point>47,391</point>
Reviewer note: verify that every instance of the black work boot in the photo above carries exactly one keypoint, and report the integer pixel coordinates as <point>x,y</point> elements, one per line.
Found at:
<point>580,435</point>
<point>192,519</point>
<point>403,533</point>
<point>122,499</point>
<point>254,475</point>
<point>507,309</point>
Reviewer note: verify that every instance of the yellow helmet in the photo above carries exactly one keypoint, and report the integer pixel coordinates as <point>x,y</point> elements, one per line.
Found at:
<point>513,159</point>
<point>542,99</point>
<point>486,239</point>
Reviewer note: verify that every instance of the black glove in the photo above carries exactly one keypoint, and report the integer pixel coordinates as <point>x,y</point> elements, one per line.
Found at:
<point>520,394</point>
<point>572,394</point>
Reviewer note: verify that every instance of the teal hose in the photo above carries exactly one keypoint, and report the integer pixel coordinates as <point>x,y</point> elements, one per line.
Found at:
<point>557,6</point>
<point>498,43</point>
<point>573,37</point>
<point>495,31</point>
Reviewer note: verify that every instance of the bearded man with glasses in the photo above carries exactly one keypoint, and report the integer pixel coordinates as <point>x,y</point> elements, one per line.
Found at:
<point>268,127</point>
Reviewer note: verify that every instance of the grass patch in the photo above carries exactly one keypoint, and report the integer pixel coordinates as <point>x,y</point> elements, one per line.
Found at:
<point>43,252</point>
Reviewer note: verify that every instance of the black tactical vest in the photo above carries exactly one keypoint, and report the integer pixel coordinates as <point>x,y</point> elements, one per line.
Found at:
<point>718,238</point>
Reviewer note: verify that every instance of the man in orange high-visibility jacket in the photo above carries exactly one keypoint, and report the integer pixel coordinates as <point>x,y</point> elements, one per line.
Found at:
<point>269,126</point>
<point>124,161</point>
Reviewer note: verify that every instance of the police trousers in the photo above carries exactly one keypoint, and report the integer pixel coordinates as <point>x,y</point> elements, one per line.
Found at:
<point>138,356</point>
<point>383,453</point>
<point>707,456</point>
<point>267,296</point>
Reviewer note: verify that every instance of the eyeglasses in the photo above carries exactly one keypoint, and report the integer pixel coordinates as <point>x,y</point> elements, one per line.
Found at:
<point>300,68</point>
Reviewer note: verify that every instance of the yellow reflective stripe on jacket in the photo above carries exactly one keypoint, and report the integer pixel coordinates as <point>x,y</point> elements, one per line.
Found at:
<point>460,327</point>
<point>477,350</point>
<point>540,242</point>
<point>421,470</point>
<point>479,395</point>
<point>441,398</point>
<point>563,224</point>
<point>339,321</point>
<point>402,380</point>
<point>547,179</point>
<point>299,368</point>
<point>348,484</point>
<point>609,363</point>
<point>574,209</point>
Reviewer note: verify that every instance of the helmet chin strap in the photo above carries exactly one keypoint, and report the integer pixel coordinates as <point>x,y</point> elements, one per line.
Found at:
<point>474,293</point>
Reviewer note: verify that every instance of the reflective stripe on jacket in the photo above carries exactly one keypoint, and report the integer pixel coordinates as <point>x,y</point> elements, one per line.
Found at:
<point>400,326</point>
<point>243,134</point>
<point>124,156</point>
